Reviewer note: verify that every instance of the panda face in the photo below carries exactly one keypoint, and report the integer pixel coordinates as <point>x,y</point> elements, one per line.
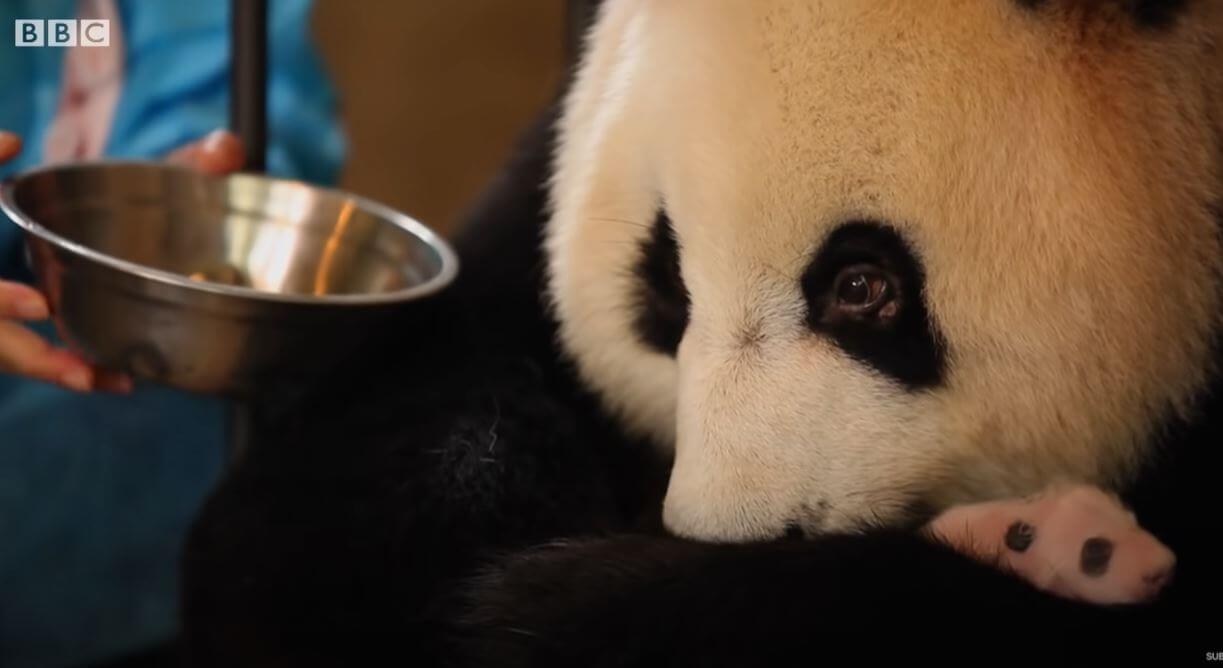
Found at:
<point>850,257</point>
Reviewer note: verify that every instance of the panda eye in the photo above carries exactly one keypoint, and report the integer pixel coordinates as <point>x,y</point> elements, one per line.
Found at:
<point>863,289</point>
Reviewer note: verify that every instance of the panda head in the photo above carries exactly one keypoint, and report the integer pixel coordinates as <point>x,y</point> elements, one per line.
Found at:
<point>849,257</point>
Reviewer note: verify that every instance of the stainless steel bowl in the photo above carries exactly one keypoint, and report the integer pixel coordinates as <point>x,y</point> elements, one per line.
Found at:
<point>216,284</point>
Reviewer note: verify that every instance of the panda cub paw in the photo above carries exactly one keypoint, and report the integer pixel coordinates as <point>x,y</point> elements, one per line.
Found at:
<point>1078,542</point>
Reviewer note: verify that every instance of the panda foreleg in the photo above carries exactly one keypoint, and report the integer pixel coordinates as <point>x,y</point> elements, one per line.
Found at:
<point>638,600</point>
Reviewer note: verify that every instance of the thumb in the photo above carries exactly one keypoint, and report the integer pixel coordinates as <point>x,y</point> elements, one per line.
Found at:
<point>10,145</point>
<point>218,152</point>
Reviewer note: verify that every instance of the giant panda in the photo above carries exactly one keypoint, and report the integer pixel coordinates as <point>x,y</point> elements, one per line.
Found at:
<point>771,285</point>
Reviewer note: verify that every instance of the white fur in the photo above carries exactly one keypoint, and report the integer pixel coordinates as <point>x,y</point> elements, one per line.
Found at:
<point>1054,179</point>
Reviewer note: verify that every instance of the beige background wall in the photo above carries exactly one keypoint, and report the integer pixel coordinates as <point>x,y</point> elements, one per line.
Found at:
<point>433,92</point>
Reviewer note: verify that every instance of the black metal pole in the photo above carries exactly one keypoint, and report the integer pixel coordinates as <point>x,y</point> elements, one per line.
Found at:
<point>248,75</point>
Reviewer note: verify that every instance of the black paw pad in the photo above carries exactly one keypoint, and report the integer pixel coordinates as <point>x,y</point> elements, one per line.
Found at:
<point>1020,535</point>
<point>1096,554</point>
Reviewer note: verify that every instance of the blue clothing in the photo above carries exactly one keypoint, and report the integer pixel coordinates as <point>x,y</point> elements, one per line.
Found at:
<point>97,491</point>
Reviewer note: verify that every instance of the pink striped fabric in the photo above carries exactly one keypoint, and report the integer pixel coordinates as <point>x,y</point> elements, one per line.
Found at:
<point>91,81</point>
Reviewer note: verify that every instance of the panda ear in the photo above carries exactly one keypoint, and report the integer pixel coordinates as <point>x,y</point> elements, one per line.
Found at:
<point>1146,13</point>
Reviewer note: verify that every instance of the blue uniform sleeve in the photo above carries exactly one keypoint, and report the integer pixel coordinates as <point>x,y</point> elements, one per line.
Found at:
<point>176,85</point>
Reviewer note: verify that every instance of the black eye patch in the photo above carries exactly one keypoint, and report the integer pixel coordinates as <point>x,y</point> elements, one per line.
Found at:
<point>899,342</point>
<point>660,299</point>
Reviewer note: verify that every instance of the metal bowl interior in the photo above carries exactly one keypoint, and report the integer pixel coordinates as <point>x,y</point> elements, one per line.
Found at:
<point>241,235</point>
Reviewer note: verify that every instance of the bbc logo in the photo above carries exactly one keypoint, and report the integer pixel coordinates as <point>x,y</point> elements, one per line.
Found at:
<point>65,32</point>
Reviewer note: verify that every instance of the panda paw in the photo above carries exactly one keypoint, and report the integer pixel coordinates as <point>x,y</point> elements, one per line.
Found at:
<point>1077,542</point>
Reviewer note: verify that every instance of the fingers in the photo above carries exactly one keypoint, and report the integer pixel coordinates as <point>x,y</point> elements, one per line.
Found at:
<point>112,381</point>
<point>219,152</point>
<point>21,302</point>
<point>10,145</point>
<point>25,353</point>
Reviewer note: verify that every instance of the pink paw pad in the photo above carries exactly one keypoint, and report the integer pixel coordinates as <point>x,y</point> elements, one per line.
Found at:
<point>1077,542</point>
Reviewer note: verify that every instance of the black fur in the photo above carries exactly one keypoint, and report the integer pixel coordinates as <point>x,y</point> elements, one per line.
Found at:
<point>661,297</point>
<point>579,17</point>
<point>1155,14</point>
<point>905,347</point>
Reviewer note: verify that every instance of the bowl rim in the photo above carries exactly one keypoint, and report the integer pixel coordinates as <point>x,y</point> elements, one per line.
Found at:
<point>445,275</point>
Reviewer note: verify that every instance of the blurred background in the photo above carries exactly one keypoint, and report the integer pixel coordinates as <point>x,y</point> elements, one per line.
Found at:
<point>433,93</point>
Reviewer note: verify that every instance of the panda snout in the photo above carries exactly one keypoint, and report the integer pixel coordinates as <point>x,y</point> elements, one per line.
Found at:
<point>742,518</point>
